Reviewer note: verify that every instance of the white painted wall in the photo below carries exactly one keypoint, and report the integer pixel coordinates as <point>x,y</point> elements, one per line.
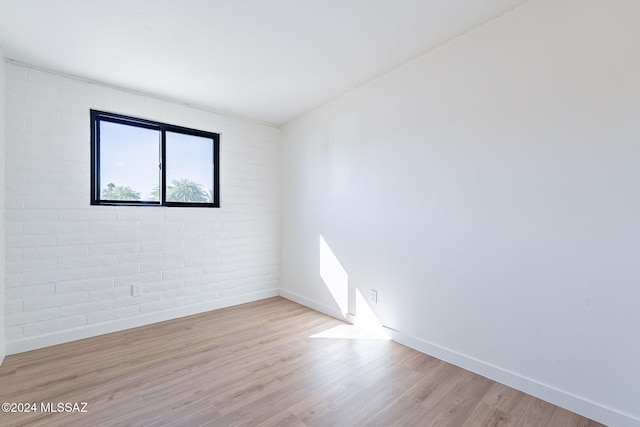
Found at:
<point>489,190</point>
<point>3,348</point>
<point>70,265</point>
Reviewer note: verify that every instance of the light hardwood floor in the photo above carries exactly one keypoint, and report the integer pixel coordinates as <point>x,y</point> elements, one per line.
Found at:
<point>267,363</point>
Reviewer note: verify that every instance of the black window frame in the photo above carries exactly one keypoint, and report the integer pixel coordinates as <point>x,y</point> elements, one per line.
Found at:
<point>99,116</point>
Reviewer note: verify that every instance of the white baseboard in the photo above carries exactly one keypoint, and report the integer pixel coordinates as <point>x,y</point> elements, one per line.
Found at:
<point>573,403</point>
<point>133,322</point>
<point>322,308</point>
<point>579,405</point>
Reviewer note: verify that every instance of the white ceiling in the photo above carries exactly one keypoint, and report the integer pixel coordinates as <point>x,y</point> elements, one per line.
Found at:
<point>268,60</point>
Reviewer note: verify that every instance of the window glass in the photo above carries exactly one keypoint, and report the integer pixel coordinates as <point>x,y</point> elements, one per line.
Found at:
<point>189,168</point>
<point>129,160</point>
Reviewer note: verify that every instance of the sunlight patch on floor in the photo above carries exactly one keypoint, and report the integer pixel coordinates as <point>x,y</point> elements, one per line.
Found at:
<point>351,332</point>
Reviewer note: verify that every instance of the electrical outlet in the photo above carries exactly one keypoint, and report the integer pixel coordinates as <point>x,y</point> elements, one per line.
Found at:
<point>136,290</point>
<point>373,296</point>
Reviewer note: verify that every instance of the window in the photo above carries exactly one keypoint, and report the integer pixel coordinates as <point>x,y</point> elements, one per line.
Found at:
<point>145,163</point>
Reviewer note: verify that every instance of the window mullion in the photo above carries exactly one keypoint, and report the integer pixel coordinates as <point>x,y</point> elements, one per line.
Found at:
<point>163,170</point>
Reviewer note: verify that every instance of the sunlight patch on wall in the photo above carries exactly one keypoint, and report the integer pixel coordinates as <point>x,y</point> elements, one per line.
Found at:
<point>334,276</point>
<point>365,317</point>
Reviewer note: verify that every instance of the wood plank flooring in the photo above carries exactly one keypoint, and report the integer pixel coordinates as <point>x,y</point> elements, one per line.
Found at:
<point>267,363</point>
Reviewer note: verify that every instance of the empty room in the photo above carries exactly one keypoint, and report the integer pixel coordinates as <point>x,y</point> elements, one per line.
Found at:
<point>320,212</point>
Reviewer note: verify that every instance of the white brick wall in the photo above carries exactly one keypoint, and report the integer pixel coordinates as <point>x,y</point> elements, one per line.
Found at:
<point>70,266</point>
<point>3,255</point>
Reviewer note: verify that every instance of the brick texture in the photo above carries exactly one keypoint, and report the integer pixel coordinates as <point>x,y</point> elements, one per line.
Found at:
<point>3,253</point>
<point>70,265</point>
